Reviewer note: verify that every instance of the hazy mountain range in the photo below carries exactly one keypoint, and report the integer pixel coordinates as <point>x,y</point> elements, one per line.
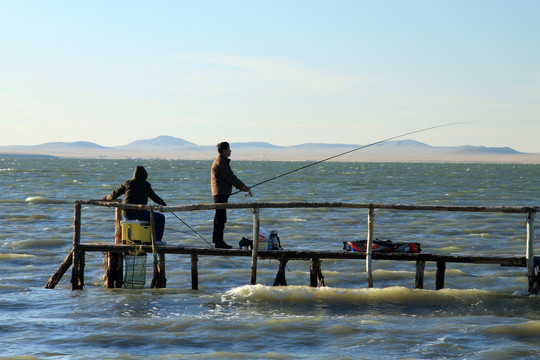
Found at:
<point>169,147</point>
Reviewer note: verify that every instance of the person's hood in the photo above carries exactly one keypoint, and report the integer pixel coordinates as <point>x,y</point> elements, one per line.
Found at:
<point>140,173</point>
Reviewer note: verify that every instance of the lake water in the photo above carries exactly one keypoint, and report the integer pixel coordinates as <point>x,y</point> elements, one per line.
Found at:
<point>484,312</point>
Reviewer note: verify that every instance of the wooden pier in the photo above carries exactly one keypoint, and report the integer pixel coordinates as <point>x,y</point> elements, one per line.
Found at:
<point>115,251</point>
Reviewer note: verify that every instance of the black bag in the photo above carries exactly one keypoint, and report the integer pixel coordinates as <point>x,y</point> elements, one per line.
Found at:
<point>245,243</point>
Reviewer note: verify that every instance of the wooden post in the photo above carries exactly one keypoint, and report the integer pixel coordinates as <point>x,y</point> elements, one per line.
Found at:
<point>119,263</point>
<point>194,272</point>
<point>534,279</point>
<point>280,279</point>
<point>109,271</point>
<point>82,262</point>
<point>158,280</point>
<point>154,254</point>
<point>315,265</point>
<point>76,283</point>
<point>64,266</point>
<point>255,247</point>
<point>114,276</point>
<point>439,275</point>
<point>420,267</point>
<point>118,226</point>
<point>161,270</point>
<point>369,245</point>
<point>315,274</point>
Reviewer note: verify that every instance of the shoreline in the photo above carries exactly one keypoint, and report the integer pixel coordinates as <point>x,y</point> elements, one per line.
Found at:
<point>277,155</point>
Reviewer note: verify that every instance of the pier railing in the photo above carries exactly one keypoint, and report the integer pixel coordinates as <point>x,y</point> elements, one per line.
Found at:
<point>283,256</point>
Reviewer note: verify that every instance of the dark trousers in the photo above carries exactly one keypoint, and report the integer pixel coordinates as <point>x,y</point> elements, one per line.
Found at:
<point>159,221</point>
<point>220,218</point>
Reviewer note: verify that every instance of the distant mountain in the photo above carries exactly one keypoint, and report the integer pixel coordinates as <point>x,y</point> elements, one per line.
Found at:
<point>76,144</point>
<point>264,145</point>
<point>406,143</point>
<point>160,141</point>
<point>493,150</point>
<point>169,147</point>
<point>39,156</point>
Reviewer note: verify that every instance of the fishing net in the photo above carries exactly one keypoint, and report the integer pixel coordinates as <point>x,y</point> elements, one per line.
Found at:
<point>135,271</point>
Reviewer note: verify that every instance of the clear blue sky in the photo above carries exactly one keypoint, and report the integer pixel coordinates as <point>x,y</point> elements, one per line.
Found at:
<point>284,72</point>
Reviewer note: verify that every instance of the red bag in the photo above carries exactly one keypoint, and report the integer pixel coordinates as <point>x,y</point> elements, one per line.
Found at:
<point>387,246</point>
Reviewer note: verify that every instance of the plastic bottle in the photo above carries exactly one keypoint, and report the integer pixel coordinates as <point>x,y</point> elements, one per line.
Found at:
<point>273,243</point>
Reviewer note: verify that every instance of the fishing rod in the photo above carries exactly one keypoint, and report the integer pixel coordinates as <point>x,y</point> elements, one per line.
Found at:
<point>348,152</point>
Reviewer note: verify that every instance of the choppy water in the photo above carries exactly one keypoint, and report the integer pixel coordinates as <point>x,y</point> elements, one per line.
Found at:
<point>485,312</point>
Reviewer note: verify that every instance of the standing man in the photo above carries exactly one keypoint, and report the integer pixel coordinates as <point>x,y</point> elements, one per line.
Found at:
<point>222,179</point>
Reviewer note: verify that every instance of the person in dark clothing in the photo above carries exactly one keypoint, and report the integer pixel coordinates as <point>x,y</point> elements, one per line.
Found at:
<point>222,180</point>
<point>137,191</point>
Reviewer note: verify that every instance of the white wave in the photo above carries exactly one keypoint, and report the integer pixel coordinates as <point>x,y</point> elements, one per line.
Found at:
<point>329,295</point>
<point>43,200</point>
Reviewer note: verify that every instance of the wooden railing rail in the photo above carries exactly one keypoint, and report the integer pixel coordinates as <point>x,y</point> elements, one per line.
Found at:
<point>266,205</point>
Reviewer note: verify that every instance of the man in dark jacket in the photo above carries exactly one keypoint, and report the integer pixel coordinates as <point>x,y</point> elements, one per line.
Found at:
<point>137,191</point>
<point>222,180</point>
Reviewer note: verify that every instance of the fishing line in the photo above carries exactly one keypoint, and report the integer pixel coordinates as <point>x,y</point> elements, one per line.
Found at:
<point>350,151</point>
<point>192,229</point>
<point>201,237</point>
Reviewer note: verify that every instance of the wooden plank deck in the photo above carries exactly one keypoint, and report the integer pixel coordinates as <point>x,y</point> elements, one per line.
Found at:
<point>503,260</point>
<point>283,256</point>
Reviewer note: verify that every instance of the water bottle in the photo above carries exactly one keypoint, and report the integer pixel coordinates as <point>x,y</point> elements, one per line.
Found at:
<point>273,243</point>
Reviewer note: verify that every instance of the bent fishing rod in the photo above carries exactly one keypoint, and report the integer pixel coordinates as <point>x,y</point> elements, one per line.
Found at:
<point>348,152</point>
